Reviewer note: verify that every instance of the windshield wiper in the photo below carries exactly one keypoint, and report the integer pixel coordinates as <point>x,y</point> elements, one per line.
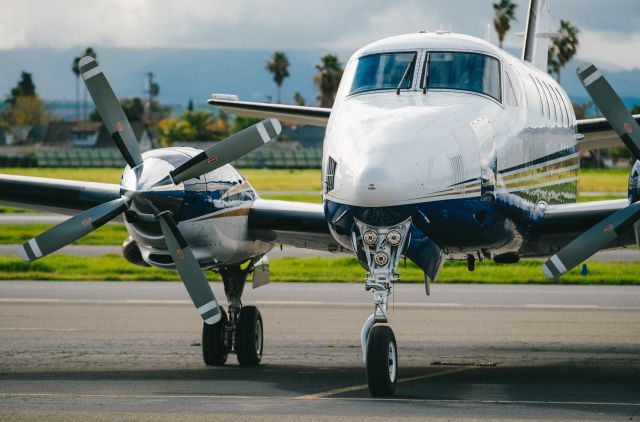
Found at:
<point>426,74</point>
<point>406,72</point>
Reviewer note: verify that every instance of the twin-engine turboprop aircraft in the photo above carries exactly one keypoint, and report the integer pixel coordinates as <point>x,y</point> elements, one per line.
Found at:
<point>439,146</point>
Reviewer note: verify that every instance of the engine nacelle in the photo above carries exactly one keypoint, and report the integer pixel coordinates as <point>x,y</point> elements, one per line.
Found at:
<point>634,183</point>
<point>131,252</point>
<point>634,194</point>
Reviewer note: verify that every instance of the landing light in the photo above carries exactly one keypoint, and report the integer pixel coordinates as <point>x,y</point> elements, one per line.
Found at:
<point>394,237</point>
<point>370,237</point>
<point>381,258</point>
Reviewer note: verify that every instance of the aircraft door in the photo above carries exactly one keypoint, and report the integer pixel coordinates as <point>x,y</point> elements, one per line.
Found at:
<point>486,140</point>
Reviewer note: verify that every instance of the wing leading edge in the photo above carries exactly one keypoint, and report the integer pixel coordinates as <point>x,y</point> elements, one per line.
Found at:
<point>297,224</point>
<point>54,195</point>
<point>598,134</point>
<point>303,115</point>
<point>563,223</point>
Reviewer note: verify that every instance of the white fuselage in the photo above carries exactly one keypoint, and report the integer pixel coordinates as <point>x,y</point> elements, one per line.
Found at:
<point>408,148</point>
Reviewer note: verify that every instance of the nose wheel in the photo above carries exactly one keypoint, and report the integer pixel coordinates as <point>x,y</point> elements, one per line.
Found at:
<point>382,361</point>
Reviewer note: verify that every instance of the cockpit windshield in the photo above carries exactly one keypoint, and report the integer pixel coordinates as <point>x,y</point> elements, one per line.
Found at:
<point>383,71</point>
<point>463,71</point>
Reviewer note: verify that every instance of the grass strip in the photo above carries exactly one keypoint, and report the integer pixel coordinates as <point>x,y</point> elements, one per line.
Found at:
<point>339,270</point>
<point>109,234</point>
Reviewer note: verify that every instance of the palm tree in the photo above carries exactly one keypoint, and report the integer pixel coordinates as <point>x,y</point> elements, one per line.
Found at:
<point>87,52</point>
<point>75,68</point>
<point>327,79</point>
<point>565,46</point>
<point>504,10</point>
<point>278,65</point>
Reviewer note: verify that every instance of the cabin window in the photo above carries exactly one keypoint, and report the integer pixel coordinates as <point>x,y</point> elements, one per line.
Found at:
<point>552,101</point>
<point>383,71</point>
<point>510,93</point>
<point>464,71</point>
<point>564,107</point>
<point>539,95</point>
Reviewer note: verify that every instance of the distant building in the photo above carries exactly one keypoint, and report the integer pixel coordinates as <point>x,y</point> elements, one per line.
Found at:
<point>90,135</point>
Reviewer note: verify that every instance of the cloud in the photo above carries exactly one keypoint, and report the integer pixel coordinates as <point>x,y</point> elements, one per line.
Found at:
<point>609,30</point>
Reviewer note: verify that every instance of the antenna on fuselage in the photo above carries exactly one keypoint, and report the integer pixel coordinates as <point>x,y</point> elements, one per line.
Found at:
<point>487,32</point>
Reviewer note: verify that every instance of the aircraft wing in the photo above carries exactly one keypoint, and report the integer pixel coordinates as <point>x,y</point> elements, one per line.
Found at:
<point>563,223</point>
<point>54,195</point>
<point>598,134</point>
<point>291,223</point>
<point>302,115</point>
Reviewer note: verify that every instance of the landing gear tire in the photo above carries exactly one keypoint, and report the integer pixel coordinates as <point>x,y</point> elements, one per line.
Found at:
<point>382,361</point>
<point>214,348</point>
<point>249,336</point>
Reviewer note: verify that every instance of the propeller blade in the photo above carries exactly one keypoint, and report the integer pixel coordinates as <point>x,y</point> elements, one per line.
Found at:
<point>591,241</point>
<point>110,110</point>
<point>190,272</point>
<point>71,230</point>
<point>611,106</point>
<point>228,150</point>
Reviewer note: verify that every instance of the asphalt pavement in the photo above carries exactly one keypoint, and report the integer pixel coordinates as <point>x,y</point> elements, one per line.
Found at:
<point>100,351</point>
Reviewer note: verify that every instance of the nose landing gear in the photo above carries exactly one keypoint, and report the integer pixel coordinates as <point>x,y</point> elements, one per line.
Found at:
<point>382,247</point>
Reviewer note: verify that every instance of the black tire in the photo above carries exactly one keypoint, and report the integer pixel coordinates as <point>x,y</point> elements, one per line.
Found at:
<point>382,361</point>
<point>249,336</point>
<point>214,348</point>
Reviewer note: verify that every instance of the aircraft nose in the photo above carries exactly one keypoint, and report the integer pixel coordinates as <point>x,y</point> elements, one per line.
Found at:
<point>376,181</point>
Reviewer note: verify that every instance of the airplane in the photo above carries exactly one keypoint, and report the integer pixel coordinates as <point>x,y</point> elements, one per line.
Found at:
<point>439,146</point>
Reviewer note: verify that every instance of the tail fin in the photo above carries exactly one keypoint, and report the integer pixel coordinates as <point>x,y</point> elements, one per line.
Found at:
<point>536,35</point>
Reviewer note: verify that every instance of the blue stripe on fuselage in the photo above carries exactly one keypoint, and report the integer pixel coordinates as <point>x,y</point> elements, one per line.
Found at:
<point>457,225</point>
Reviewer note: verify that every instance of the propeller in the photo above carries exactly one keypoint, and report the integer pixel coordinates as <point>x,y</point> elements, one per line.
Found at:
<point>611,227</point>
<point>151,188</point>
<point>110,110</point>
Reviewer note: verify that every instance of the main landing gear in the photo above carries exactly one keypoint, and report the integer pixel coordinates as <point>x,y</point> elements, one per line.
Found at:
<point>241,332</point>
<point>382,248</point>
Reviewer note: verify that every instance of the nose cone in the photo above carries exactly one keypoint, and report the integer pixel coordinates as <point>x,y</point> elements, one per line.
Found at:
<point>148,185</point>
<point>393,150</point>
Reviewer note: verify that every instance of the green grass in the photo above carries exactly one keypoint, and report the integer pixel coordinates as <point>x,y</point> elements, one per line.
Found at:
<point>102,175</point>
<point>340,270</point>
<point>109,234</point>
<point>603,180</point>
<point>298,198</point>
<point>279,179</point>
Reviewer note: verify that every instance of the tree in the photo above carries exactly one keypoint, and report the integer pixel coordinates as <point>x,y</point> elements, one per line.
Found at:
<point>298,99</point>
<point>278,65</point>
<point>27,110</point>
<point>564,47</point>
<point>173,129</point>
<point>24,88</point>
<point>581,110</point>
<point>241,122</point>
<point>635,109</point>
<point>327,79</point>
<point>87,52</point>
<point>504,14</point>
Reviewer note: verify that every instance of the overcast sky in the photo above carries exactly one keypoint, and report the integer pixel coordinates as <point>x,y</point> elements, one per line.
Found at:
<point>610,30</point>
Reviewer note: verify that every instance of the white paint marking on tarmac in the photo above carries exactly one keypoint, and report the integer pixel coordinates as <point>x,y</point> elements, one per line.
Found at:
<point>433,305</point>
<point>336,391</point>
<point>271,398</point>
<point>64,330</point>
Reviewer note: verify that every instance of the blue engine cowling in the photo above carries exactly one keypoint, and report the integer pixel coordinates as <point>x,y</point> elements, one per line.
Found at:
<point>634,183</point>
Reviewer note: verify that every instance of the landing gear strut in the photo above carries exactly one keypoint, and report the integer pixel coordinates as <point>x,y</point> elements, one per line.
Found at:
<point>382,247</point>
<point>241,332</point>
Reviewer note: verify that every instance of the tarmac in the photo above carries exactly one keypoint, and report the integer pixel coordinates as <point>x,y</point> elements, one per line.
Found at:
<point>100,351</point>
